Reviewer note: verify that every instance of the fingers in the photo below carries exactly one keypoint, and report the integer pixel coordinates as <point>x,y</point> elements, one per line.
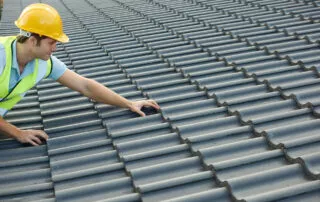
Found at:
<point>151,103</point>
<point>42,134</point>
<point>34,137</point>
<point>35,141</point>
<point>141,113</point>
<point>138,105</point>
<point>138,111</point>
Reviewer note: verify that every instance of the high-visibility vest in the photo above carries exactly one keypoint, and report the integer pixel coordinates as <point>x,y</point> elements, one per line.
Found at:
<point>9,98</point>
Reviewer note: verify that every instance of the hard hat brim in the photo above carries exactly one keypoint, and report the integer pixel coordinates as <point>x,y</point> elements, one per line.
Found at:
<point>63,38</point>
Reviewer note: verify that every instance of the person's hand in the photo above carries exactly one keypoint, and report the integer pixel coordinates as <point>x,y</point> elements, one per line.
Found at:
<point>137,105</point>
<point>33,137</point>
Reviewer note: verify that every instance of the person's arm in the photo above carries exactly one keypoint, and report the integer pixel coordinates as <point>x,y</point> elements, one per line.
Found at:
<point>24,136</point>
<point>100,93</point>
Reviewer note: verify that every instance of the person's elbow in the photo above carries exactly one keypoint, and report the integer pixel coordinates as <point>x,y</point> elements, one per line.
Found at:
<point>87,86</point>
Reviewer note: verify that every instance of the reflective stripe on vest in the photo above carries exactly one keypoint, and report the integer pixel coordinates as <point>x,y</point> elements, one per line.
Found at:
<point>8,98</point>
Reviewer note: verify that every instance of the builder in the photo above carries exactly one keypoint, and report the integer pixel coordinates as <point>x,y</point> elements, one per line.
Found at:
<point>26,59</point>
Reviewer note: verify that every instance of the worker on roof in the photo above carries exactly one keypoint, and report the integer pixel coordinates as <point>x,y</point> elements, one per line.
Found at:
<point>26,59</point>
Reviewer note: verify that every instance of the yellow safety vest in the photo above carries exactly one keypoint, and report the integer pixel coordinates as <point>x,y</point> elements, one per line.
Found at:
<point>9,98</point>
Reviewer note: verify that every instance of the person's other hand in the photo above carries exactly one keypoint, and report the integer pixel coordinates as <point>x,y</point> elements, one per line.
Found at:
<point>33,137</point>
<point>137,106</point>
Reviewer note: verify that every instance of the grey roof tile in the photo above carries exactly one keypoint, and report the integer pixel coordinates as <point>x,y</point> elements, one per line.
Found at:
<point>301,56</point>
<point>112,73</point>
<point>148,144</point>
<point>299,140</point>
<point>25,173</point>
<point>165,85</point>
<point>193,62</point>
<point>216,41</point>
<point>74,128</point>
<point>238,103</point>
<point>182,98</point>
<point>209,68</point>
<point>189,185</point>
<point>66,119</point>
<point>89,176</point>
<point>110,114</point>
<point>309,97</point>
<point>224,152</point>
<point>267,68</point>
<point>199,116</point>
<point>155,37</point>
<point>264,40</point>
<point>229,85</point>
<point>30,192</point>
<point>291,79</point>
<point>207,127</point>
<point>127,126</point>
<point>194,56</point>
<point>251,56</point>
<point>12,180</point>
<point>222,51</point>
<point>50,106</point>
<point>136,59</point>
<point>217,194</point>
<point>245,94</point>
<point>144,74</point>
<point>301,30</point>
<point>97,191</point>
<point>178,51</point>
<point>144,188</point>
<point>159,156</point>
<point>312,194</point>
<point>220,20</point>
<point>231,134</point>
<point>286,118</point>
<point>279,189</point>
<point>200,34</point>
<point>312,163</point>
<point>178,44</point>
<point>283,25</point>
<point>188,108</point>
<point>75,150</point>
<point>266,109</point>
<point>287,47</point>
<point>166,171</point>
<point>218,79</point>
<point>156,79</point>
<point>252,164</point>
<point>23,155</point>
<point>115,55</point>
<point>170,90</point>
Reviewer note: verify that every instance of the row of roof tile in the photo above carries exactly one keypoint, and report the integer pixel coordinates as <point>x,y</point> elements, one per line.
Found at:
<point>232,124</point>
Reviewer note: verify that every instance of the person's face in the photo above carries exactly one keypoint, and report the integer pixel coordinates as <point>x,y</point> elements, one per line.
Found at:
<point>45,49</point>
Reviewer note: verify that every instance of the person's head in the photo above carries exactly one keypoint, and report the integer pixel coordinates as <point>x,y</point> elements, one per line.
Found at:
<point>40,27</point>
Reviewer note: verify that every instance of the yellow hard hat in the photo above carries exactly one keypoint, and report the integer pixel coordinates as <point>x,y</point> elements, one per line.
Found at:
<point>42,19</point>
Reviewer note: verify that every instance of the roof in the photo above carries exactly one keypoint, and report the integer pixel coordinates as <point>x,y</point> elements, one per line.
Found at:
<point>238,85</point>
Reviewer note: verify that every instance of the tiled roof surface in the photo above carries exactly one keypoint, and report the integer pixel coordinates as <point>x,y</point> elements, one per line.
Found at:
<point>239,89</point>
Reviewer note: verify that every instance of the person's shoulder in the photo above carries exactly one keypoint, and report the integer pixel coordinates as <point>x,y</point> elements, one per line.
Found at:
<point>58,68</point>
<point>56,63</point>
<point>54,59</point>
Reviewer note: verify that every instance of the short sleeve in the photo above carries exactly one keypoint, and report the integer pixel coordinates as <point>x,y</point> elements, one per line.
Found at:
<point>2,58</point>
<point>58,68</point>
